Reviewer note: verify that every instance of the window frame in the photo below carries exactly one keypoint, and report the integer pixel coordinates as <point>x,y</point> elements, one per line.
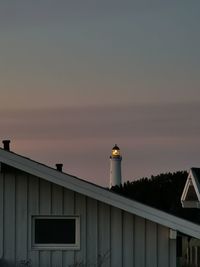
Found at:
<point>57,246</point>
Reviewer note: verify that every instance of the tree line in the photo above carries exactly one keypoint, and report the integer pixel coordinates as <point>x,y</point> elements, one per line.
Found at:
<point>162,191</point>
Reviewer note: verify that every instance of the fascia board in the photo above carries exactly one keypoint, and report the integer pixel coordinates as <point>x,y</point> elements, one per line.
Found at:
<point>196,184</point>
<point>99,193</point>
<point>186,187</point>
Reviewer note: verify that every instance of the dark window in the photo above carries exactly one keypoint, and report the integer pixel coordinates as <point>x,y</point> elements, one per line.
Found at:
<point>54,231</point>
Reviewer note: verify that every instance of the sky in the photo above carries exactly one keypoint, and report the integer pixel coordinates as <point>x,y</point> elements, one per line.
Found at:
<point>78,77</point>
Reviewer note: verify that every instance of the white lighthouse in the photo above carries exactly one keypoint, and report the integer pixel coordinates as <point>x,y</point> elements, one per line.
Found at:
<point>115,167</point>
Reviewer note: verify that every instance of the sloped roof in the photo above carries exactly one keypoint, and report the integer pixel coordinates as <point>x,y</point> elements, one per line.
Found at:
<point>115,147</point>
<point>98,193</point>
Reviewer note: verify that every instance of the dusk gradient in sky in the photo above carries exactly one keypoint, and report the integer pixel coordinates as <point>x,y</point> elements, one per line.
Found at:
<point>76,77</point>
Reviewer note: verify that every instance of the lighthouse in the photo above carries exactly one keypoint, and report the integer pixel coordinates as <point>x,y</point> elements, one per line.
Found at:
<point>115,167</point>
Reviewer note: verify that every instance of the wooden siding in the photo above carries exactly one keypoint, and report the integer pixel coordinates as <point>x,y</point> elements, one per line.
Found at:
<point>109,237</point>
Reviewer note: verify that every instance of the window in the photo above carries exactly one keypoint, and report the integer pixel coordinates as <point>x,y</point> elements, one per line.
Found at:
<point>56,232</point>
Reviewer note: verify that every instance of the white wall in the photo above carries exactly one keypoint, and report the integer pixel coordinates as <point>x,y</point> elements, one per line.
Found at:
<point>124,239</point>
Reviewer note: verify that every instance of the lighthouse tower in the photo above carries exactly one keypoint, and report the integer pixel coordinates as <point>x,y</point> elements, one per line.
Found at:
<point>115,167</point>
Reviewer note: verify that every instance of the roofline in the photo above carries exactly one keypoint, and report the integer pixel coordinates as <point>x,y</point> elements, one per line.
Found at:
<point>99,193</point>
<point>186,186</point>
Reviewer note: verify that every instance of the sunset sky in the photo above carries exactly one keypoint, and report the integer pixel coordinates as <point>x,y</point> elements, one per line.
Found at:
<point>76,77</point>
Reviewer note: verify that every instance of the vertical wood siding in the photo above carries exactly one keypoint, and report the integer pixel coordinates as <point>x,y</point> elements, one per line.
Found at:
<point>128,240</point>
<point>139,238</point>
<point>109,237</point>
<point>81,210</point>
<point>33,208</point>
<point>9,251</point>
<point>104,249</point>
<point>21,217</point>
<point>92,224</point>
<point>56,209</point>
<point>151,244</point>
<point>68,209</point>
<point>45,209</point>
<point>116,237</point>
<point>163,246</point>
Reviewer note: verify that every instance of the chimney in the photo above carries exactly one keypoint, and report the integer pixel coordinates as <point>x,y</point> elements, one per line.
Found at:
<point>6,145</point>
<point>59,167</point>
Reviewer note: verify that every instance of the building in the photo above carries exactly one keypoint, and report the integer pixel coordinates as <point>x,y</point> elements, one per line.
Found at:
<point>191,194</point>
<point>52,219</point>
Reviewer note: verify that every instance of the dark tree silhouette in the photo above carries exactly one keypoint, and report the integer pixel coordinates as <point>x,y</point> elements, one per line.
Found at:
<point>162,191</point>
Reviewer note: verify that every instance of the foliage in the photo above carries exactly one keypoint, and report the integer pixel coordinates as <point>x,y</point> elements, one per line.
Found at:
<point>162,191</point>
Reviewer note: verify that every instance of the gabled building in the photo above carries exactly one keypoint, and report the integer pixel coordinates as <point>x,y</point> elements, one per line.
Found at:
<point>52,219</point>
<point>191,194</point>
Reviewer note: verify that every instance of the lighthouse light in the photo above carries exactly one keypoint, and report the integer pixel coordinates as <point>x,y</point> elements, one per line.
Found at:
<point>115,151</point>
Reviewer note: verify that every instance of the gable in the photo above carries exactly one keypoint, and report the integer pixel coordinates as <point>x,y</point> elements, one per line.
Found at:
<point>191,196</point>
